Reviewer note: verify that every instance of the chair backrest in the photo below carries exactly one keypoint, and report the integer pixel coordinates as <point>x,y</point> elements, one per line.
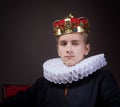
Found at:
<point>9,90</point>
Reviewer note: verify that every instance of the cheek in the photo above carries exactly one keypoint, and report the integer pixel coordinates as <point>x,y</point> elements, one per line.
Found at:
<point>80,51</point>
<point>60,51</point>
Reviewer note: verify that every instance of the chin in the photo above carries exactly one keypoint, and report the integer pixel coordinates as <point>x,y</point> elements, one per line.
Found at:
<point>70,64</point>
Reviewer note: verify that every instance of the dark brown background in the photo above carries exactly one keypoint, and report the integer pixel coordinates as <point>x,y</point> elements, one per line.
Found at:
<point>27,40</point>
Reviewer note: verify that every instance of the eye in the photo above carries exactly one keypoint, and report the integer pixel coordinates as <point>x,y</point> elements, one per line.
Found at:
<point>75,43</point>
<point>63,43</point>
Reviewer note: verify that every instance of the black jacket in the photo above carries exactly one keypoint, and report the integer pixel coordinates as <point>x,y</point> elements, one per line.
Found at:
<point>97,90</point>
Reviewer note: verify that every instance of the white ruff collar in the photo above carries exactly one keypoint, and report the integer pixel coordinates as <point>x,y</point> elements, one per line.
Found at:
<point>56,71</point>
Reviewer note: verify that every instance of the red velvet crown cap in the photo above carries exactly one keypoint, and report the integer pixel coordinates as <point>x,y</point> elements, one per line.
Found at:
<point>70,25</point>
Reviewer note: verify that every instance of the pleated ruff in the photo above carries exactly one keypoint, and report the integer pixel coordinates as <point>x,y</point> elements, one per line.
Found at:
<point>56,71</point>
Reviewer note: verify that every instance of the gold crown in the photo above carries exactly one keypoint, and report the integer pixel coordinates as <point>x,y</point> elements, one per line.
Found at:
<point>70,25</point>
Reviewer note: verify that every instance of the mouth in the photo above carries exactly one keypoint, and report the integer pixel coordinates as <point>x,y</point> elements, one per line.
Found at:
<point>69,57</point>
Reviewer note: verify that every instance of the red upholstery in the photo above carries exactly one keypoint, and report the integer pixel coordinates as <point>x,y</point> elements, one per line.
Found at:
<point>11,90</point>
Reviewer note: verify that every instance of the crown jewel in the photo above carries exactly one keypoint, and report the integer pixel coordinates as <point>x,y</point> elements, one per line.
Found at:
<point>70,25</point>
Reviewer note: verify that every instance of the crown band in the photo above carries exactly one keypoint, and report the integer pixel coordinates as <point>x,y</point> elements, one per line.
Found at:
<point>70,25</point>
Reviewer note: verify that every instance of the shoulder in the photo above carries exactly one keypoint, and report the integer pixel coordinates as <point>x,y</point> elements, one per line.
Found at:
<point>101,74</point>
<point>104,73</point>
<point>106,78</point>
<point>40,82</point>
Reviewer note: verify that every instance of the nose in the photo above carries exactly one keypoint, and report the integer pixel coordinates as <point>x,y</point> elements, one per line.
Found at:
<point>68,48</point>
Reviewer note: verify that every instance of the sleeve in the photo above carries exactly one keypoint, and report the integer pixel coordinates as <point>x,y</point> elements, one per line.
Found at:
<point>27,98</point>
<point>109,91</point>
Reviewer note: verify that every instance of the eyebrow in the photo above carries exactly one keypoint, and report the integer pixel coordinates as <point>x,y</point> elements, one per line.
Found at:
<point>70,41</point>
<point>75,41</point>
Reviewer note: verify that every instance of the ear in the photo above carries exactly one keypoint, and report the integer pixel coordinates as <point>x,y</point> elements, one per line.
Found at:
<point>87,49</point>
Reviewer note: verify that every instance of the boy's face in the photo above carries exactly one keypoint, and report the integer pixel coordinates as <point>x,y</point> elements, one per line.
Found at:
<point>72,48</point>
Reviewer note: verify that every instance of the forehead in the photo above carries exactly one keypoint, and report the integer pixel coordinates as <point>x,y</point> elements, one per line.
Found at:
<point>70,37</point>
